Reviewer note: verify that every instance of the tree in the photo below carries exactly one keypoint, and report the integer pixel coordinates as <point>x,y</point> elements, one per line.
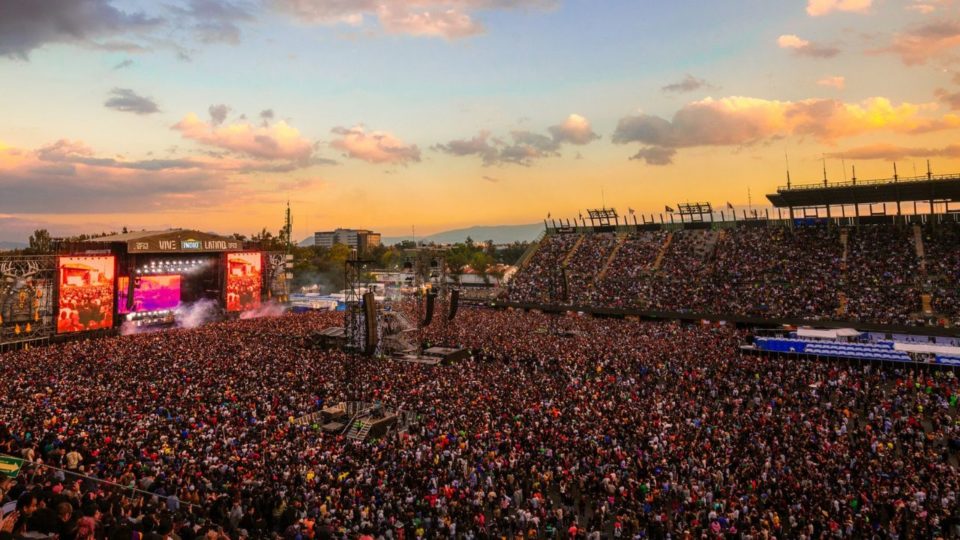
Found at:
<point>41,242</point>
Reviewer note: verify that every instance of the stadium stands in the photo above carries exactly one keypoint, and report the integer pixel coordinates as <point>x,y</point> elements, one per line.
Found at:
<point>869,274</point>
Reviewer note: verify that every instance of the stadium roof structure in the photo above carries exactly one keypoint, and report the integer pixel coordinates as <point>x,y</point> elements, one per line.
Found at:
<point>929,187</point>
<point>169,241</point>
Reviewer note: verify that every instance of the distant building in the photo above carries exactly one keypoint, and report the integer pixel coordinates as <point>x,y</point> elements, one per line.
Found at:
<point>360,239</point>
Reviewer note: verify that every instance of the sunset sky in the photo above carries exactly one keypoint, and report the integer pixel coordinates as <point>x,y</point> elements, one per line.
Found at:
<point>385,114</point>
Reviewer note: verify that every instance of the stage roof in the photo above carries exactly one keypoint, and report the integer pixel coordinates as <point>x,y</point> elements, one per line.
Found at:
<point>921,188</point>
<point>171,241</point>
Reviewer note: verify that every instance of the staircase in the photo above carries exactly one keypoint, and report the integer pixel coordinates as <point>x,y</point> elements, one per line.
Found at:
<point>842,296</point>
<point>663,251</point>
<point>359,430</point>
<point>845,242</point>
<point>621,238</point>
<point>528,254</point>
<point>710,241</point>
<point>566,260</point>
<point>918,245</point>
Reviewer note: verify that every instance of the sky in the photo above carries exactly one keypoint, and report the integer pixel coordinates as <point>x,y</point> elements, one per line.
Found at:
<point>439,114</point>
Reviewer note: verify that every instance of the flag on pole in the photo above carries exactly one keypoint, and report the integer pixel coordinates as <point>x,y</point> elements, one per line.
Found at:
<point>667,209</point>
<point>548,215</point>
<point>630,210</point>
<point>730,206</point>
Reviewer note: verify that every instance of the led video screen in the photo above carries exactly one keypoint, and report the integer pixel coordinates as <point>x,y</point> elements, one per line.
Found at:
<point>150,293</point>
<point>86,293</point>
<point>244,279</point>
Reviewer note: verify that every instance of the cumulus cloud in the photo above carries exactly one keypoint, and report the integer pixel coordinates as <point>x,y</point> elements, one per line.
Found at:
<point>523,147</point>
<point>952,99</point>
<point>739,121</point>
<point>26,25</point>
<point>480,145</point>
<point>933,40</point>
<point>126,100</point>
<point>688,84</point>
<point>377,147</point>
<point>817,8</point>
<point>218,114</point>
<point>214,21</point>
<point>278,141</point>
<point>836,81</point>
<point>71,177</point>
<point>450,19</point>
<point>891,152</point>
<point>574,130</point>
<point>804,47</point>
<point>655,155</point>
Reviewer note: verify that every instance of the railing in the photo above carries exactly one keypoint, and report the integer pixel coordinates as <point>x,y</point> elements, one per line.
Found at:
<point>873,182</point>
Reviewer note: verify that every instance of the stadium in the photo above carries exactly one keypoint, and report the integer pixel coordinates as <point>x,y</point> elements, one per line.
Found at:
<point>698,374</point>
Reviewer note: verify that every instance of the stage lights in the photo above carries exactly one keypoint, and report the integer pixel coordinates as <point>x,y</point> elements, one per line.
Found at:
<point>171,266</point>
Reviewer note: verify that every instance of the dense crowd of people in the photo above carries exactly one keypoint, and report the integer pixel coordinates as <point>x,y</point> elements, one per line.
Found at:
<point>572,427</point>
<point>943,268</point>
<point>870,273</point>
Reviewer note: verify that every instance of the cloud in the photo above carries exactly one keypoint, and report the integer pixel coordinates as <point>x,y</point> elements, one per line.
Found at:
<point>655,155</point>
<point>278,141</point>
<point>491,179</point>
<point>26,25</point>
<point>377,147</point>
<point>449,24</point>
<point>124,64</point>
<point>688,84</point>
<point>214,21</point>
<point>803,47</point>
<point>739,121</point>
<point>479,145</point>
<point>449,19</point>
<point>574,130</point>
<point>890,152</point>
<point>67,178</point>
<point>266,114</point>
<point>126,100</point>
<point>837,82</point>
<point>523,147</point>
<point>817,8</point>
<point>935,40</point>
<point>952,99</point>
<point>218,114</point>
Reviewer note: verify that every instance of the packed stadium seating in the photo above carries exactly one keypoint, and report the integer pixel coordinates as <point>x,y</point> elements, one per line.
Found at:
<point>866,274</point>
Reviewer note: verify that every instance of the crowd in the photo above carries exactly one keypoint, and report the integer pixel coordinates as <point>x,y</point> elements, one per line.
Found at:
<point>866,274</point>
<point>943,267</point>
<point>881,278</point>
<point>541,280</point>
<point>570,427</point>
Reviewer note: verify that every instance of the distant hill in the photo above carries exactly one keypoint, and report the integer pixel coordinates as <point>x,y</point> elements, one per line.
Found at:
<point>5,246</point>
<point>500,234</point>
<point>306,242</point>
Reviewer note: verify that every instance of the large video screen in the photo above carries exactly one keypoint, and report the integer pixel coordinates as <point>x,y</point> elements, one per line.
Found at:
<point>244,279</point>
<point>86,293</point>
<point>150,293</point>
